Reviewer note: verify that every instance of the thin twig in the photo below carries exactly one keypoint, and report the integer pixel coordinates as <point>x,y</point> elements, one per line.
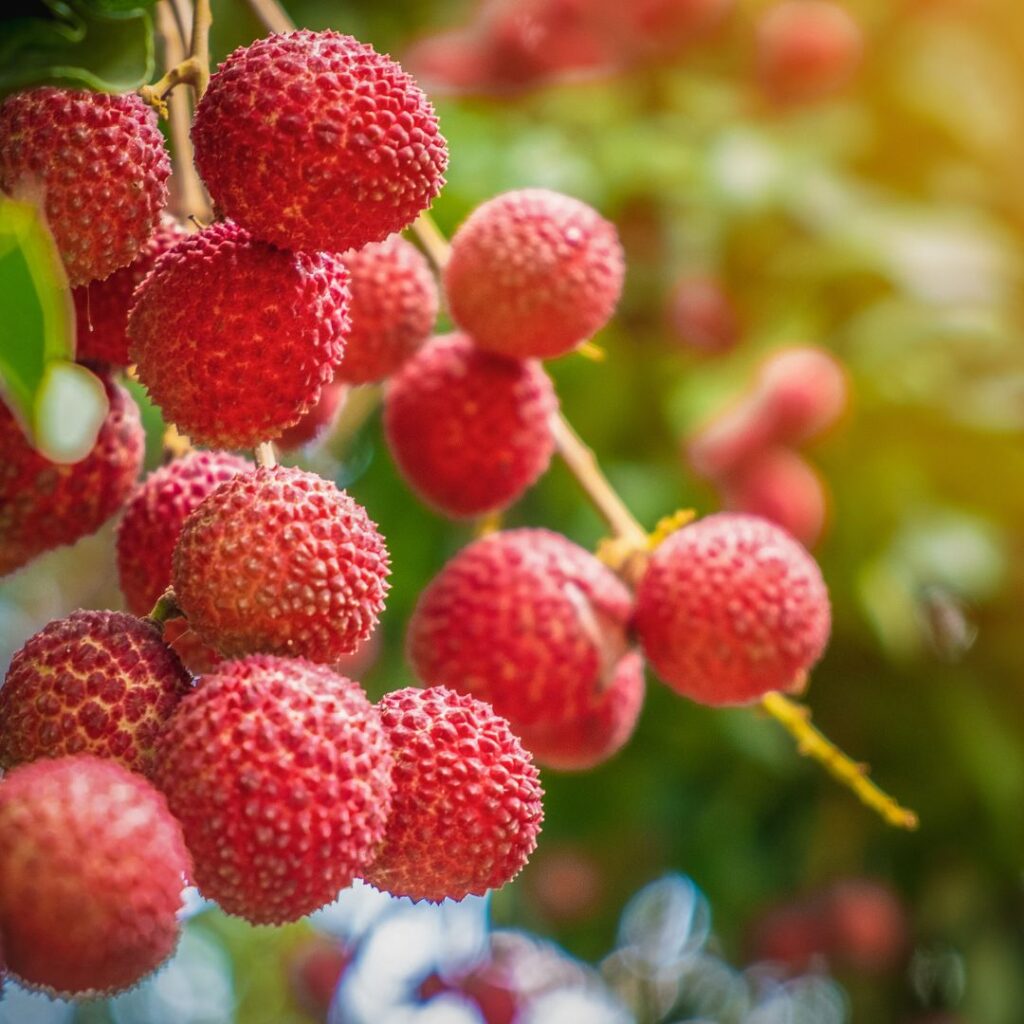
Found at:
<point>435,245</point>
<point>266,457</point>
<point>272,15</point>
<point>812,743</point>
<point>194,70</point>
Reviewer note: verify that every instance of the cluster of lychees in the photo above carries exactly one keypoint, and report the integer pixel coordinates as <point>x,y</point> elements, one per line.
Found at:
<point>272,781</point>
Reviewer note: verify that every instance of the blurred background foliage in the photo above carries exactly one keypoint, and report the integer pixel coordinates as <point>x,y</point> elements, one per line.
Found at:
<point>886,225</point>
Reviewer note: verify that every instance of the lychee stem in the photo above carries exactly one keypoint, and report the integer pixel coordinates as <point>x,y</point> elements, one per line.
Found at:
<point>265,455</point>
<point>272,15</point>
<point>189,195</point>
<point>796,720</point>
<point>193,70</point>
<point>166,608</point>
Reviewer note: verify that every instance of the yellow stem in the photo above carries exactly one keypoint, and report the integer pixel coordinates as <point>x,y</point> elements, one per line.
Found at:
<point>193,70</point>
<point>266,457</point>
<point>812,743</point>
<point>435,245</point>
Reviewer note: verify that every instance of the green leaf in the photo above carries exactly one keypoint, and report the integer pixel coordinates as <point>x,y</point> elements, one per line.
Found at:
<point>105,45</point>
<point>59,404</point>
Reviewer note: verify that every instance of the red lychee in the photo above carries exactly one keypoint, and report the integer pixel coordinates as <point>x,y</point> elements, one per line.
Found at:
<point>44,505</point>
<point>467,798</point>
<point>318,421</point>
<point>807,49</point>
<point>315,970</point>
<point>99,683</point>
<point>533,273</point>
<point>349,148</point>
<point>98,165</point>
<point>470,431</point>
<point>101,308</point>
<point>394,306</point>
<point>279,772</point>
<point>731,608</point>
<point>536,626</point>
<point>234,338</point>
<point>792,936</point>
<point>866,925</point>
<point>280,561</point>
<point>91,866</point>
<point>781,486</point>
<point>702,315</point>
<point>153,517</point>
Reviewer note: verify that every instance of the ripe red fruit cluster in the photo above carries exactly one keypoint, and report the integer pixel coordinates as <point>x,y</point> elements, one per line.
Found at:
<point>748,451</point>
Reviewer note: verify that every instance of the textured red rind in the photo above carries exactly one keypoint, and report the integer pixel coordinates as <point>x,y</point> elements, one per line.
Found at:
<point>44,505</point>
<point>234,338</point>
<point>154,515</point>
<point>280,773</point>
<point>536,626</point>
<point>466,807</point>
<point>280,561</point>
<point>470,431</point>
<point>730,608</point>
<point>533,273</point>
<point>96,162</point>
<point>91,873</point>
<point>349,147</point>
<point>101,308</point>
<point>319,420</point>
<point>96,682</point>
<point>394,307</point>
<point>807,49</point>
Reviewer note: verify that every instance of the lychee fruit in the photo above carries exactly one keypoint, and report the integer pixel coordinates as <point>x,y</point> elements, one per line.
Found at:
<point>781,486</point>
<point>101,308</point>
<point>533,273</point>
<point>537,627</point>
<point>97,164</point>
<point>731,608</point>
<point>807,49</point>
<point>394,306</point>
<point>234,338</point>
<point>349,146</point>
<point>866,924</point>
<point>318,421</point>
<point>470,431</point>
<point>466,807</point>
<point>44,505</point>
<point>153,517</point>
<point>703,316</point>
<point>96,682</point>
<point>279,561</point>
<point>279,772</point>
<point>91,866</point>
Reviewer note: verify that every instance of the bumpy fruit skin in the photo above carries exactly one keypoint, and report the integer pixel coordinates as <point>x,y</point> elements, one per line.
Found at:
<point>807,49</point>
<point>730,608</point>
<point>101,308</point>
<point>394,306</point>
<point>44,505</point>
<point>533,273</point>
<point>349,148</point>
<point>318,421</point>
<point>154,515</point>
<point>91,866</point>
<point>470,431</point>
<point>467,798</point>
<point>234,338</point>
<point>96,682</point>
<point>536,626</point>
<point>98,164</point>
<point>280,561</point>
<point>280,774</point>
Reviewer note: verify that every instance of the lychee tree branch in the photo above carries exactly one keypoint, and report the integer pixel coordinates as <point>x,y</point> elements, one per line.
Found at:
<point>272,15</point>
<point>631,544</point>
<point>194,70</point>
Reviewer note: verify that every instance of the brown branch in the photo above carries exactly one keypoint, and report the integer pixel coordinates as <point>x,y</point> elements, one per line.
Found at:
<point>272,15</point>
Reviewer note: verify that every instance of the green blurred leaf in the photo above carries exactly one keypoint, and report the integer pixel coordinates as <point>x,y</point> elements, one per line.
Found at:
<point>106,45</point>
<point>60,405</point>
